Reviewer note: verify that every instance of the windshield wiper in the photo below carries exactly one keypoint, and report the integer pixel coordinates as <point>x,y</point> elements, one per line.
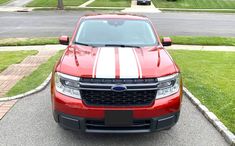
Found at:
<point>84,44</point>
<point>121,45</point>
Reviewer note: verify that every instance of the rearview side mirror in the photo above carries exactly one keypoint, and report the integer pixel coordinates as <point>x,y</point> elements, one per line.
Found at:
<point>166,41</point>
<point>64,40</point>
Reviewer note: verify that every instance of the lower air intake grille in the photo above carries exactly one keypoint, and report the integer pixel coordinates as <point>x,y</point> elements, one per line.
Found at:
<point>99,125</point>
<point>111,98</point>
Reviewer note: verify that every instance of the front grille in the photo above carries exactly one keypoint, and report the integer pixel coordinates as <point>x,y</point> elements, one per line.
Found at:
<point>110,98</point>
<point>100,125</point>
<point>118,81</point>
<point>98,92</point>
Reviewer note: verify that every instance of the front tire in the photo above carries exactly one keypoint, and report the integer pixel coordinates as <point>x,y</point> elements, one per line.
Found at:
<point>56,117</point>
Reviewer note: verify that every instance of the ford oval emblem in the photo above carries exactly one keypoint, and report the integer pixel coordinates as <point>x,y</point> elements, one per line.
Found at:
<point>119,88</point>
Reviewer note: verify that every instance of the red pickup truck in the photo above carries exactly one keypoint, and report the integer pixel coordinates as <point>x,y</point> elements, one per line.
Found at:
<point>116,77</point>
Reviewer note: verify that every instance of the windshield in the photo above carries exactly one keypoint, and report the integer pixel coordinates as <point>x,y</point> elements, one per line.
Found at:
<point>100,32</point>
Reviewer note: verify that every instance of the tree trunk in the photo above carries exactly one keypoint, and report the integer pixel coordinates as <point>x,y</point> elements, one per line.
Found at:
<point>60,5</point>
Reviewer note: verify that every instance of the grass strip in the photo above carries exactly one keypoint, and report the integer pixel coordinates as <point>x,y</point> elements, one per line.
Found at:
<point>3,1</point>
<point>203,40</point>
<point>28,41</point>
<point>53,3</point>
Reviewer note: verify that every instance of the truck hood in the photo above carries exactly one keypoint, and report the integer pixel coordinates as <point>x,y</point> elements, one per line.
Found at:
<point>116,62</point>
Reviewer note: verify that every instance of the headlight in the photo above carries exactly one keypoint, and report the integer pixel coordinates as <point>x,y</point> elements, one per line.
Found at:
<point>67,85</point>
<point>168,85</point>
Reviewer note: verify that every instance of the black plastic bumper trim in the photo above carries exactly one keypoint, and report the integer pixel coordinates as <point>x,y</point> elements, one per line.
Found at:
<point>79,124</point>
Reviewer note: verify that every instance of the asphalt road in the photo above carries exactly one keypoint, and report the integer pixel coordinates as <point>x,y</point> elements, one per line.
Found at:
<point>30,122</point>
<point>56,23</point>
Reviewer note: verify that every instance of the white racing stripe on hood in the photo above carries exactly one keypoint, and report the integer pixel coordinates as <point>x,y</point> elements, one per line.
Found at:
<point>128,64</point>
<point>106,63</point>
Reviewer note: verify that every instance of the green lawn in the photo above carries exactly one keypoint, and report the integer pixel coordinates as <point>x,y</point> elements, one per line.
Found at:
<point>8,58</point>
<point>28,41</point>
<point>3,1</point>
<point>203,40</point>
<point>196,4</point>
<point>210,76</point>
<point>111,3</point>
<point>53,3</point>
<point>36,78</point>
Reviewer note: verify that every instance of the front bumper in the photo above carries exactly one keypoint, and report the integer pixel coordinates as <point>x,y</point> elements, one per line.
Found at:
<point>74,114</point>
<point>97,126</point>
<point>78,108</point>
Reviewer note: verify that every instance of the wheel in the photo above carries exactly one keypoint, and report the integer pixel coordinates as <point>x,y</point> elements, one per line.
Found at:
<point>149,3</point>
<point>138,3</point>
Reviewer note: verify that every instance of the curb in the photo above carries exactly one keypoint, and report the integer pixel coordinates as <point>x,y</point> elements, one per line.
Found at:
<point>79,8</point>
<point>195,9</point>
<point>36,90</point>
<point>212,118</point>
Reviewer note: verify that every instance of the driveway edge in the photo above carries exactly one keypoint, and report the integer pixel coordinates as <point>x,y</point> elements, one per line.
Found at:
<point>211,117</point>
<point>36,90</point>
